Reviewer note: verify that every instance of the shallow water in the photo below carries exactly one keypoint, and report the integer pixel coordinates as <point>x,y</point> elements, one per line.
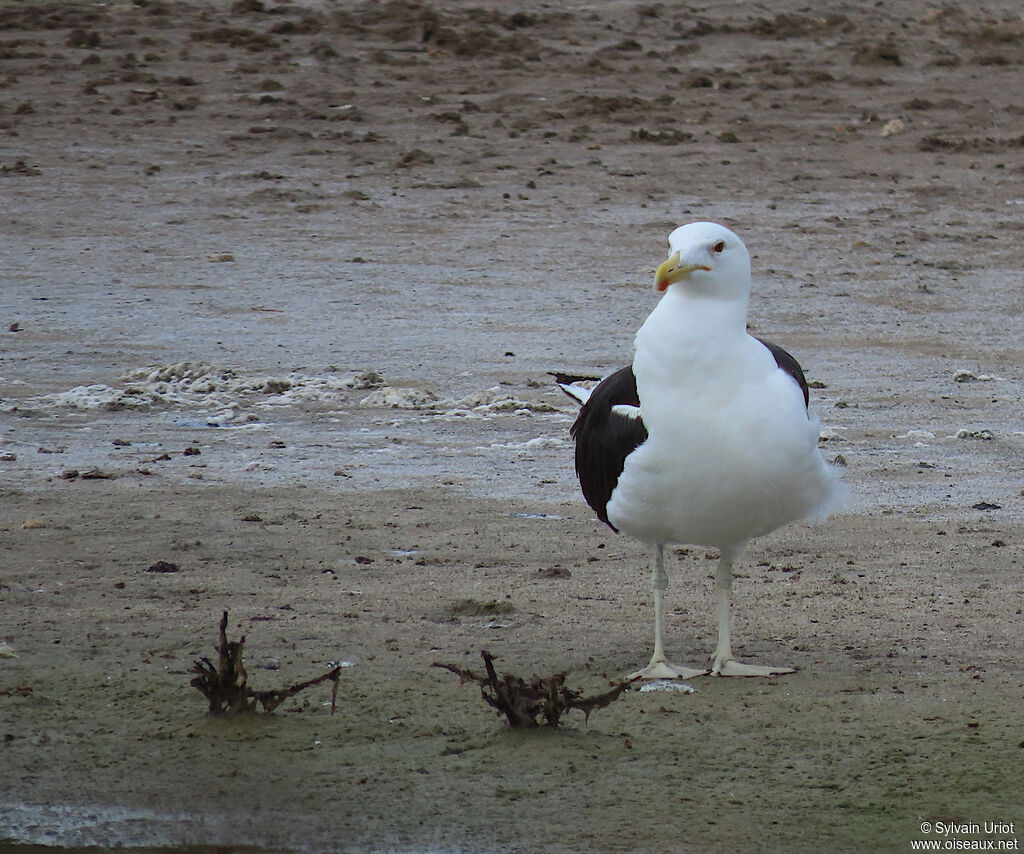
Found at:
<point>70,826</point>
<point>504,441</point>
<point>96,828</point>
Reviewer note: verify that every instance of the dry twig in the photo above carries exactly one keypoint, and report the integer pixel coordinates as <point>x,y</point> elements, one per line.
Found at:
<point>226,688</point>
<point>523,704</point>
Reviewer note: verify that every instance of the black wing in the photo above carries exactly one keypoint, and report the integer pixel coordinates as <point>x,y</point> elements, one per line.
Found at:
<point>790,365</point>
<point>605,438</point>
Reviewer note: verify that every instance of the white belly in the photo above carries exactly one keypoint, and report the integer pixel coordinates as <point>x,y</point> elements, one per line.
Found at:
<point>718,471</point>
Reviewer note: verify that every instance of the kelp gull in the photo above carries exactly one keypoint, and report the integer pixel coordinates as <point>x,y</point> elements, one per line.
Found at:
<point>706,438</point>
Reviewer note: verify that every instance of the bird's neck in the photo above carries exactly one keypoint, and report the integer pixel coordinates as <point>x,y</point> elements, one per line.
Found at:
<point>685,321</point>
<point>688,348</point>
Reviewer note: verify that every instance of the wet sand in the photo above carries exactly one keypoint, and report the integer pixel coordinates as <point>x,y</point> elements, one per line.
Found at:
<point>282,285</point>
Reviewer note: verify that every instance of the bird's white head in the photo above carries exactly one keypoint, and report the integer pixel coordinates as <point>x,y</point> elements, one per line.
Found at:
<point>707,259</point>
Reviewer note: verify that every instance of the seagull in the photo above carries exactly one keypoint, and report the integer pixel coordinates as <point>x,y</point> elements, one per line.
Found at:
<point>706,439</point>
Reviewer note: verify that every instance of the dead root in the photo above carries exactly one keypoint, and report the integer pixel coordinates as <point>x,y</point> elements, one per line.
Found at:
<point>543,699</point>
<point>226,688</point>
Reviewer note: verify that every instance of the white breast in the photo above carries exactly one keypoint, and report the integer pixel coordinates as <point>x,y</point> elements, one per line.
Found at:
<point>731,452</point>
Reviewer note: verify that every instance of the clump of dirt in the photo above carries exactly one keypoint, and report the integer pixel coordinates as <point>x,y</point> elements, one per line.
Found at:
<point>882,53</point>
<point>786,26</point>
<point>238,37</point>
<point>20,167</point>
<point>475,608</point>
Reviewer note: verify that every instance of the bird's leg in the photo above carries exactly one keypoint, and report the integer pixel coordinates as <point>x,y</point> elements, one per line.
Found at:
<point>659,584</point>
<point>723,663</point>
<point>659,668</point>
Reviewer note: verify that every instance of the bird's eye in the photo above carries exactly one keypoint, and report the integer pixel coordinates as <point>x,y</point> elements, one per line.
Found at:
<point>718,247</point>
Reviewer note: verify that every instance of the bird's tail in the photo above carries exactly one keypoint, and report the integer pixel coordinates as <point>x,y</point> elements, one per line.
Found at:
<point>837,497</point>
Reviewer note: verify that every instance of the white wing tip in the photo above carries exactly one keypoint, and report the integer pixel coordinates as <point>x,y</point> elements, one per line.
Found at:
<point>579,393</point>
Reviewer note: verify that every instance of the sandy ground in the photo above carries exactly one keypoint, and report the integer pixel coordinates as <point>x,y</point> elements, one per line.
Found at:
<point>281,286</point>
